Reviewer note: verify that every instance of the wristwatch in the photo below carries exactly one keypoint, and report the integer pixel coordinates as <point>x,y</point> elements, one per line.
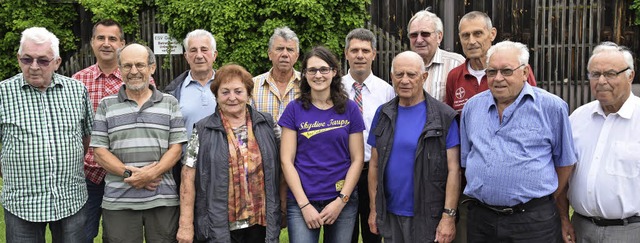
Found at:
<point>127,173</point>
<point>344,198</point>
<point>450,212</point>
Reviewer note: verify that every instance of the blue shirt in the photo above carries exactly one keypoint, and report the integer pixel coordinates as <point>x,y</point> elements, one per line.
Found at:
<point>398,183</point>
<point>514,161</point>
<point>196,101</point>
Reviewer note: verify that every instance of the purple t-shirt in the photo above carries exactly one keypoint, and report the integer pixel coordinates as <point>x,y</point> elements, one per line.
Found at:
<point>322,155</point>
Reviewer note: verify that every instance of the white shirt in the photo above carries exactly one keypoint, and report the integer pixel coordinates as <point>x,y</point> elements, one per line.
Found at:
<point>606,182</point>
<point>374,93</point>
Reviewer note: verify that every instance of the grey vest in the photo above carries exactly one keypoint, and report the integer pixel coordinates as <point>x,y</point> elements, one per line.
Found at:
<point>430,169</point>
<point>211,222</point>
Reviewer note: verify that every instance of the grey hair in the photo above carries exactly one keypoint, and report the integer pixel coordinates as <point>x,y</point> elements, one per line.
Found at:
<point>40,35</point>
<point>523,52</point>
<point>361,34</point>
<point>286,34</point>
<point>477,14</point>
<point>199,33</point>
<point>608,46</point>
<point>425,14</point>
<point>151,58</point>
<point>412,55</point>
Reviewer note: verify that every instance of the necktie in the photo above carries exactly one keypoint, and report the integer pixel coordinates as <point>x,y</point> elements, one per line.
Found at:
<point>358,97</point>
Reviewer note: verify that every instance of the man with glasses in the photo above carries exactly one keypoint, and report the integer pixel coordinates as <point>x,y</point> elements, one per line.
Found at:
<point>414,172</point>
<point>369,92</point>
<point>604,187</point>
<point>517,148</point>
<point>101,79</point>
<point>137,137</point>
<point>45,125</point>
<point>425,34</point>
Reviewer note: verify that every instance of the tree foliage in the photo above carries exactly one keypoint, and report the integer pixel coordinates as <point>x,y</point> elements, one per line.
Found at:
<point>242,28</point>
<point>636,7</point>
<point>18,15</point>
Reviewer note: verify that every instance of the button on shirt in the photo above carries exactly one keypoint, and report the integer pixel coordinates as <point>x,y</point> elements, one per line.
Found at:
<point>374,93</point>
<point>266,96</point>
<point>42,148</point>
<point>514,161</point>
<point>605,182</point>
<point>442,62</point>
<point>196,101</point>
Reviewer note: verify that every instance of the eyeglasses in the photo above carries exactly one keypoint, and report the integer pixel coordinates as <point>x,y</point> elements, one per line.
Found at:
<point>127,67</point>
<point>399,75</point>
<point>424,34</point>
<point>322,70</point>
<point>608,75</point>
<point>506,72</point>
<point>41,62</point>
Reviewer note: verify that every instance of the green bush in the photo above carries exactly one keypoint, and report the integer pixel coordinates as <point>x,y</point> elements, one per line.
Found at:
<point>18,15</point>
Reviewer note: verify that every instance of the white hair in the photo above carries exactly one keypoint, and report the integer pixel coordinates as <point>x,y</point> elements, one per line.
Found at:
<point>607,46</point>
<point>40,35</point>
<point>523,52</point>
<point>199,33</point>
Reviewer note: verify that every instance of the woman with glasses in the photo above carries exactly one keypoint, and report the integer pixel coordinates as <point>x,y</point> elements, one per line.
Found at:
<point>230,180</point>
<point>322,153</point>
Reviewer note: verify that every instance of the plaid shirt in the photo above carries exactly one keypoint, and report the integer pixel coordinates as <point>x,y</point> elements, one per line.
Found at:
<point>266,97</point>
<point>42,150</point>
<point>99,85</point>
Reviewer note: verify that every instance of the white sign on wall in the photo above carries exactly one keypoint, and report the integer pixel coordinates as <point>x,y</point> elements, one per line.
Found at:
<point>162,42</point>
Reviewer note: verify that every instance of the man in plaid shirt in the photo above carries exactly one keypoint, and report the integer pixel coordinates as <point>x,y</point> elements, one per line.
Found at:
<point>101,79</point>
<point>45,125</point>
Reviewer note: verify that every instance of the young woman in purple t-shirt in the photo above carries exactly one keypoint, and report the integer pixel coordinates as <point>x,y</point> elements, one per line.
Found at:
<point>322,153</point>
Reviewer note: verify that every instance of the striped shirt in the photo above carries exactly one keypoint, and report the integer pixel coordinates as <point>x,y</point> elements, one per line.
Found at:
<point>138,136</point>
<point>99,85</point>
<point>442,62</point>
<point>42,148</point>
<point>266,96</point>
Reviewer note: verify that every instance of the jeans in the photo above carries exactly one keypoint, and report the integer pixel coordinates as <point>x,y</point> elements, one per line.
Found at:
<point>94,210</point>
<point>339,232</point>
<point>67,230</point>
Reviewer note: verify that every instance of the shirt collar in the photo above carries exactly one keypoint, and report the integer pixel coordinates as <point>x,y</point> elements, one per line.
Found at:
<point>189,79</point>
<point>527,90</point>
<point>367,81</point>
<point>437,57</point>
<point>626,111</point>
<point>97,72</point>
<point>295,78</point>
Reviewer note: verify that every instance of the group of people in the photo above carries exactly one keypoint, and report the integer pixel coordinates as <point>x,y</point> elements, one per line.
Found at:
<point>222,156</point>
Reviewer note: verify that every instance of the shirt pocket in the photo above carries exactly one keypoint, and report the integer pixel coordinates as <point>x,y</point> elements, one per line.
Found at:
<point>626,160</point>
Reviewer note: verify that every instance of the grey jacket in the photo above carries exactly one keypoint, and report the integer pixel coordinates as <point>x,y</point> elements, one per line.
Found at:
<point>430,169</point>
<point>211,220</point>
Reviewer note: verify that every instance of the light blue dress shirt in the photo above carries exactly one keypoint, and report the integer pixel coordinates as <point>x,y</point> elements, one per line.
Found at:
<point>514,161</point>
<point>196,101</point>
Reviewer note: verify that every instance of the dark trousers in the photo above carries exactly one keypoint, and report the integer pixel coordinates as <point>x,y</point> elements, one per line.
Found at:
<point>363,211</point>
<point>93,209</point>
<point>538,224</point>
<point>256,233</point>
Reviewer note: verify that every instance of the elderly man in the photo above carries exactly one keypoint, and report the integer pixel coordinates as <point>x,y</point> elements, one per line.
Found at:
<point>516,146</point>
<point>425,34</point>
<point>463,82</point>
<point>137,137</point>
<point>369,92</point>
<point>191,88</point>
<point>101,79</point>
<point>604,187</point>
<point>274,89</point>
<point>416,204</point>
<point>45,124</point>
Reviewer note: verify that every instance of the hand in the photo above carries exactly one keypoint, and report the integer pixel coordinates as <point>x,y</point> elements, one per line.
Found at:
<point>185,234</point>
<point>446,230</point>
<point>330,213</point>
<point>140,177</point>
<point>568,235</point>
<point>311,217</point>
<point>373,227</point>
<point>153,185</point>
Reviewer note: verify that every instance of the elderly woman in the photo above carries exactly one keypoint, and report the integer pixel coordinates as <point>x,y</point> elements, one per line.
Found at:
<point>230,179</point>
<point>322,153</point>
